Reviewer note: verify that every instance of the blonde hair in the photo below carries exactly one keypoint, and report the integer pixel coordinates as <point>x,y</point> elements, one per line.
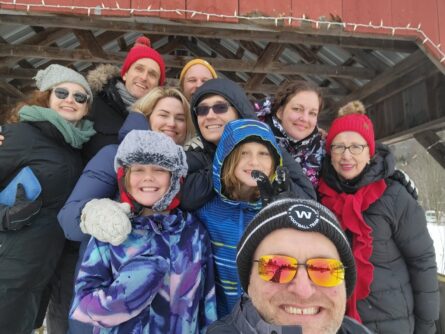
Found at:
<point>148,102</point>
<point>353,107</point>
<point>230,184</point>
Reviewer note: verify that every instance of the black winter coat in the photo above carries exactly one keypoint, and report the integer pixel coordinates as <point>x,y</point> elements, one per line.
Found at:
<point>28,257</point>
<point>108,113</point>
<point>404,294</point>
<point>198,186</point>
<point>245,319</point>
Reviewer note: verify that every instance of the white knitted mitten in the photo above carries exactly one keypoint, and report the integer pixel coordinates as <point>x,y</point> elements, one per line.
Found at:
<point>106,220</point>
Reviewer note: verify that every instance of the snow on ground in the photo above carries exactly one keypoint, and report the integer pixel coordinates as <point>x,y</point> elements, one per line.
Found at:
<point>437,232</point>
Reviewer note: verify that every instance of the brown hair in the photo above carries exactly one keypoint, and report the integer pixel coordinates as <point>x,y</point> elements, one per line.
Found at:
<point>289,89</point>
<point>148,102</point>
<point>230,184</point>
<point>36,98</point>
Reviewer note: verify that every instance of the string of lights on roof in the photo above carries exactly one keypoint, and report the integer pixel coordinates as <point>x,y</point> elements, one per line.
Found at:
<point>96,10</point>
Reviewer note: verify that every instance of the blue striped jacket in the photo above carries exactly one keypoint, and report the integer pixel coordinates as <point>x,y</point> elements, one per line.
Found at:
<point>226,219</point>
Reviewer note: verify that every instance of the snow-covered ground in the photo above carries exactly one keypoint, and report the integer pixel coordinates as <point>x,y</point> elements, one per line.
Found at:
<point>437,233</point>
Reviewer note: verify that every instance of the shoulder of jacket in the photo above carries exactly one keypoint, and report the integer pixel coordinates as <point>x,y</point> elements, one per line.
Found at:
<point>100,76</point>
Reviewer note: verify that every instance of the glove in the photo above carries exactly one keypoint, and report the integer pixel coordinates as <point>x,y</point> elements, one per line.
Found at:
<point>280,187</point>
<point>400,176</point>
<point>106,220</point>
<point>17,216</point>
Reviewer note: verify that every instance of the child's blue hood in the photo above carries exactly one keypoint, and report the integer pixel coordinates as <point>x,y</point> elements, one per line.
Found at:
<point>234,133</point>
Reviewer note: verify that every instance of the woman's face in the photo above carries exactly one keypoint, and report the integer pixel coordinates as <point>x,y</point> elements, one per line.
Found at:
<point>346,164</point>
<point>253,156</point>
<point>299,116</point>
<point>194,78</point>
<point>148,183</point>
<point>70,101</point>
<point>168,117</point>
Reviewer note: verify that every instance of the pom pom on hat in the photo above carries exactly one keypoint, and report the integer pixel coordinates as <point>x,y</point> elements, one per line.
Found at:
<point>351,117</point>
<point>142,49</point>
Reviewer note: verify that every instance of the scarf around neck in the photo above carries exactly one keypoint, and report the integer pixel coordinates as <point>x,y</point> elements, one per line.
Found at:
<point>74,135</point>
<point>349,210</point>
<point>308,152</point>
<point>125,95</point>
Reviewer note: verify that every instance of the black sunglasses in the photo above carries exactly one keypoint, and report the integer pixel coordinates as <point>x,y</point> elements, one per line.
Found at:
<point>218,108</point>
<point>62,94</point>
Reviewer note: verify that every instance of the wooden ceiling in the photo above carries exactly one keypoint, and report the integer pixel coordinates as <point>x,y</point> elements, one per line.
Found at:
<point>393,75</point>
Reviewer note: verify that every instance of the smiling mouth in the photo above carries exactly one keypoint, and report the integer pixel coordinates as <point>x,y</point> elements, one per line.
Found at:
<point>213,126</point>
<point>148,189</point>
<point>301,311</point>
<point>141,86</point>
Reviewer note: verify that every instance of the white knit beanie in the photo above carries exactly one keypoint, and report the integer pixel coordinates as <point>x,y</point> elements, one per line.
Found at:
<point>56,74</point>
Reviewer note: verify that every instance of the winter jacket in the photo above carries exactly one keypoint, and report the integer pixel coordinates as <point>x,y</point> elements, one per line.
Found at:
<point>98,180</point>
<point>28,257</point>
<point>245,319</point>
<point>226,219</point>
<point>108,111</point>
<point>404,295</point>
<point>159,280</point>
<point>198,187</point>
<point>308,152</point>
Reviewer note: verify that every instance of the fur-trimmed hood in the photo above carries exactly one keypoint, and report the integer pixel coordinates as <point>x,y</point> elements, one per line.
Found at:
<point>101,75</point>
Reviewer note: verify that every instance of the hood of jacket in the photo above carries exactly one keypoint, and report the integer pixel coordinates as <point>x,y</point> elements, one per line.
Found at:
<point>101,76</point>
<point>236,132</point>
<point>381,166</point>
<point>232,92</point>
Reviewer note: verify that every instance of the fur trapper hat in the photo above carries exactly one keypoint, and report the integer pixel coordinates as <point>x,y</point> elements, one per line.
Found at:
<point>154,148</point>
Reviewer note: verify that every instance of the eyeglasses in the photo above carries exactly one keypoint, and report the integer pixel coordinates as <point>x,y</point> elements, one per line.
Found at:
<point>218,108</point>
<point>282,269</point>
<point>355,149</point>
<point>62,94</point>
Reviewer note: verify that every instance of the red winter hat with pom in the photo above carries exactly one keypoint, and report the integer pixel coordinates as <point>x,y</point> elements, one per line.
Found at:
<point>142,49</point>
<point>351,117</point>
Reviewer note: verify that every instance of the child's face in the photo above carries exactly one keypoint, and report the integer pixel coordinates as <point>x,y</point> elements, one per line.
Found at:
<point>253,156</point>
<point>148,183</point>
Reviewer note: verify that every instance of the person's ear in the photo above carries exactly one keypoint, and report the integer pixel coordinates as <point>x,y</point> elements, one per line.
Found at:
<point>124,77</point>
<point>279,113</point>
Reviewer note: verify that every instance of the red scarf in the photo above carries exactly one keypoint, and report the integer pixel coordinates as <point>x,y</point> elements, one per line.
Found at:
<point>349,208</point>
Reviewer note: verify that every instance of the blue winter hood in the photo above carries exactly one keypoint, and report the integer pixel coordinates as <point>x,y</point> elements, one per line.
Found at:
<point>234,133</point>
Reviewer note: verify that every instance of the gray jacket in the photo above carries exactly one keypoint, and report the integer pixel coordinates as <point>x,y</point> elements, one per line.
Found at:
<point>245,319</point>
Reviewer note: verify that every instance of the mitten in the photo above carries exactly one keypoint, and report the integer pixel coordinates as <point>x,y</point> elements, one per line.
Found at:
<point>400,176</point>
<point>106,220</point>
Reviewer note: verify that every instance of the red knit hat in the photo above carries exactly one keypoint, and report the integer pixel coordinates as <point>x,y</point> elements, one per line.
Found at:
<point>142,49</point>
<point>352,118</point>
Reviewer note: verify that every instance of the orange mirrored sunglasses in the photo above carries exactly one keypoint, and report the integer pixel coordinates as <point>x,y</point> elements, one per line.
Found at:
<point>282,269</point>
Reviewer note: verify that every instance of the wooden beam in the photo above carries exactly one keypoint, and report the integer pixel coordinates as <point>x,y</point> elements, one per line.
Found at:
<point>88,41</point>
<point>271,52</point>
<point>250,32</point>
<point>231,65</point>
<point>383,79</point>
<point>433,144</point>
<point>10,90</point>
<point>435,125</point>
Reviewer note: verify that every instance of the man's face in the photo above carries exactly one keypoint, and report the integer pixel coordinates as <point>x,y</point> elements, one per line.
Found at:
<point>212,124</point>
<point>300,302</point>
<point>142,76</point>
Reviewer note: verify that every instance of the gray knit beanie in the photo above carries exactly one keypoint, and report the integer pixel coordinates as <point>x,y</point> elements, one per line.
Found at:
<point>154,148</point>
<point>56,74</point>
<point>302,215</point>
